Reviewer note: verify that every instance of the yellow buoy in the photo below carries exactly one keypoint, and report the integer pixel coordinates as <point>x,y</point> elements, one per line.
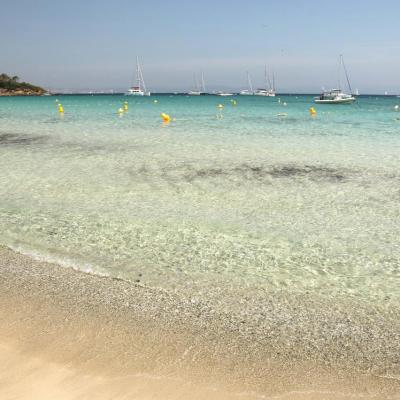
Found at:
<point>220,106</point>
<point>126,106</point>
<point>60,108</point>
<point>313,112</point>
<point>165,117</point>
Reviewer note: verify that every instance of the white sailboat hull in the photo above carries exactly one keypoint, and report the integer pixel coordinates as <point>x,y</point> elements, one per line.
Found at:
<point>265,94</point>
<point>335,101</point>
<point>134,94</point>
<point>137,93</point>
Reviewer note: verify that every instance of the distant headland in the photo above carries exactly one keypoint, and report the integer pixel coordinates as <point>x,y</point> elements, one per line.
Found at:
<point>10,86</point>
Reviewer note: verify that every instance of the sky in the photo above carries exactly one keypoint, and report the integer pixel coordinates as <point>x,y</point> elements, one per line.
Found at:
<point>93,44</point>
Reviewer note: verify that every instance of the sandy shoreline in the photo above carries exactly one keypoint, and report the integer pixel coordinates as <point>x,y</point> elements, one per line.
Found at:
<point>70,335</point>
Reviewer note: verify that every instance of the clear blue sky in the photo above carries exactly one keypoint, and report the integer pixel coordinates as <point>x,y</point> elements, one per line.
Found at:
<point>82,44</point>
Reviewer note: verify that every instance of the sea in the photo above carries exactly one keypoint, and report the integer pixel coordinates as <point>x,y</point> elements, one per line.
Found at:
<point>234,193</point>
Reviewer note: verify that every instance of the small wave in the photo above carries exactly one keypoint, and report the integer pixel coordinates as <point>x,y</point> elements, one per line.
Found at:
<point>65,262</point>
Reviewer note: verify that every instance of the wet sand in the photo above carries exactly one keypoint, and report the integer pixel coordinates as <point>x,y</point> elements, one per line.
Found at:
<point>65,334</point>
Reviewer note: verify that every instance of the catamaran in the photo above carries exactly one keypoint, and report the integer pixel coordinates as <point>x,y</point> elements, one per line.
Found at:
<point>140,88</point>
<point>269,90</point>
<point>198,91</point>
<point>336,96</point>
<point>249,91</point>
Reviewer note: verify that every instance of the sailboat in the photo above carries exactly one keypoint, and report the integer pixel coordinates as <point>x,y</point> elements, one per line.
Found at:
<point>249,91</point>
<point>269,90</point>
<point>140,88</point>
<point>336,96</point>
<point>198,91</point>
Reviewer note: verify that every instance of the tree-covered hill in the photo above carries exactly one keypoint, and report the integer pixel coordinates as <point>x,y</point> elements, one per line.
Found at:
<point>11,86</point>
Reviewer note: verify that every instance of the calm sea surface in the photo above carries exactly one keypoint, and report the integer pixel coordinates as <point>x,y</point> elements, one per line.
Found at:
<point>256,195</point>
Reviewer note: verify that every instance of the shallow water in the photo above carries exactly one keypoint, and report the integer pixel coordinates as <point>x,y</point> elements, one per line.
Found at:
<point>240,198</point>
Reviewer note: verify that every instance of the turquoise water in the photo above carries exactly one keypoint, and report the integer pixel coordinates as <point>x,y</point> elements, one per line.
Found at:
<point>258,195</point>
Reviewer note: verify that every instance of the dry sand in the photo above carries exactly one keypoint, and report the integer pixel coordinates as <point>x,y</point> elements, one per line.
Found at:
<point>69,335</point>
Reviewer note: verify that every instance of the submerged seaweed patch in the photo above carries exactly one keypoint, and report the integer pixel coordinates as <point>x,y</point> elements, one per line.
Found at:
<point>243,172</point>
<point>307,170</point>
<point>260,172</point>
<point>7,139</point>
<point>193,174</point>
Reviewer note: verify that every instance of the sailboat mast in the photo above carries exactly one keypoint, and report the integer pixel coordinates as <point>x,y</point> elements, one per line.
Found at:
<point>273,81</point>
<point>138,73</point>
<point>347,75</point>
<point>196,82</point>
<point>249,82</point>
<point>203,85</point>
<point>267,79</point>
<point>141,83</point>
